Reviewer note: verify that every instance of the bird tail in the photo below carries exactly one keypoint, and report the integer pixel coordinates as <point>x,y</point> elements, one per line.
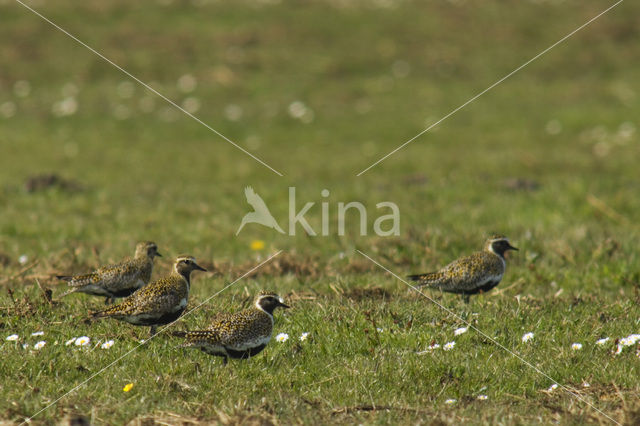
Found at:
<point>184,335</point>
<point>424,279</point>
<point>113,310</point>
<point>97,314</point>
<point>66,293</point>
<point>80,280</point>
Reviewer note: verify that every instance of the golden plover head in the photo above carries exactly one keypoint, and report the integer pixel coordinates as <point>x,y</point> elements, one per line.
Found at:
<point>268,302</point>
<point>185,264</point>
<point>147,249</point>
<point>498,244</point>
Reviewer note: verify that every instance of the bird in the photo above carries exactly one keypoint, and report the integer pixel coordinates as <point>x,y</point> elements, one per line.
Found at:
<point>477,273</point>
<point>157,303</point>
<point>261,214</point>
<point>118,280</point>
<point>240,335</point>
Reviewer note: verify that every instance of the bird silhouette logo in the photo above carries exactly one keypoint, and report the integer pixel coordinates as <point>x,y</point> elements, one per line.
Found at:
<point>260,213</point>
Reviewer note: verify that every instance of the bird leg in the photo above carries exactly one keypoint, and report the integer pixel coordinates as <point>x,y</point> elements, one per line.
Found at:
<point>109,300</point>
<point>224,360</point>
<point>465,297</point>
<point>152,332</point>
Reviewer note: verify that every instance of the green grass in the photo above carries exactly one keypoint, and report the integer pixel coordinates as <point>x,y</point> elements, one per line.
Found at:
<point>373,76</point>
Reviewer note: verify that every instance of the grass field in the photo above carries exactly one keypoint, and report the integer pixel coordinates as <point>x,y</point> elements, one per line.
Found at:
<point>319,91</point>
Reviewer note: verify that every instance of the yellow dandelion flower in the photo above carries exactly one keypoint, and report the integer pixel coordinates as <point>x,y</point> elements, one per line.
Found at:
<point>127,387</point>
<point>257,245</point>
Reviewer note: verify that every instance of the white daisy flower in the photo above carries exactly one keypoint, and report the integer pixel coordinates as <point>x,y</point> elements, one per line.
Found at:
<point>233,112</point>
<point>483,397</point>
<point>380,330</point>
<point>38,333</point>
<point>576,346</point>
<point>553,127</point>
<point>282,337</point>
<point>8,109</point>
<point>527,337</point>
<point>461,330</point>
<point>65,107</point>
<point>552,387</point>
<point>297,109</point>
<point>82,341</point>
<point>451,401</point>
<point>39,345</point>
<point>107,344</point>
<point>619,349</point>
<point>586,385</point>
<point>13,338</point>
<point>304,336</point>
<point>434,346</point>
<point>187,83</point>
<point>602,341</point>
<point>448,346</point>
<point>191,104</point>
<point>23,259</point>
<point>125,89</point>
<point>25,346</point>
<point>70,341</point>
<point>630,340</point>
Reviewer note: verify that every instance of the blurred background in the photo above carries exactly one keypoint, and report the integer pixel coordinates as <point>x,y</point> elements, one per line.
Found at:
<point>319,91</point>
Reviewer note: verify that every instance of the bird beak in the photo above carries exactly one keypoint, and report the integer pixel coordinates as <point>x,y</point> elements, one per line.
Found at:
<point>158,254</point>
<point>512,248</point>
<point>283,305</point>
<point>198,267</point>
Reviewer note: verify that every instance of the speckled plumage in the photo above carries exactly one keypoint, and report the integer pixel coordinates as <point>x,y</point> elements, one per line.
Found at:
<point>477,273</point>
<point>160,302</point>
<point>117,280</point>
<point>240,335</point>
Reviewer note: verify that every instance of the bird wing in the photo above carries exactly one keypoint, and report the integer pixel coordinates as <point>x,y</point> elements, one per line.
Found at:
<point>256,202</point>
<point>200,337</point>
<point>241,328</point>
<point>226,326</point>
<point>240,331</point>
<point>451,277</point>
<point>113,266</point>
<point>121,275</point>
<point>159,296</point>
<point>469,272</point>
<point>163,296</point>
<point>221,324</point>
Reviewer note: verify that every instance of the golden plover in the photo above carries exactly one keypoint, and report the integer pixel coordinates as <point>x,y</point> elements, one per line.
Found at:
<point>118,280</point>
<point>240,335</point>
<point>159,302</point>
<point>477,273</point>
